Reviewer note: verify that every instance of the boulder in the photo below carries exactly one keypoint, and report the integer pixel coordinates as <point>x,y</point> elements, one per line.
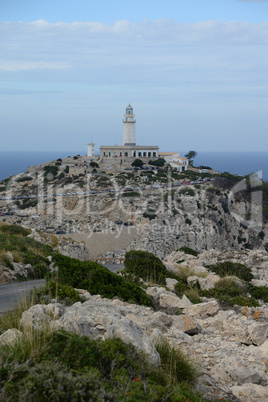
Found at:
<point>185,302</point>
<point>171,283</point>
<point>258,333</point>
<point>10,336</point>
<point>169,301</point>
<point>187,324</point>
<point>208,309</point>
<point>250,392</point>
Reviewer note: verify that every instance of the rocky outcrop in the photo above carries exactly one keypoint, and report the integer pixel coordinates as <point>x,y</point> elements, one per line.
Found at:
<point>230,347</point>
<point>74,250</point>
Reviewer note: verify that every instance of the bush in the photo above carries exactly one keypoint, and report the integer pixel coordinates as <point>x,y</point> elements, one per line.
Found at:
<point>14,230</point>
<point>146,266</point>
<point>187,191</point>
<point>228,268</point>
<point>229,293</point>
<point>97,279</point>
<point>150,213</point>
<point>158,162</point>
<point>188,250</point>
<point>63,293</point>
<point>137,163</point>
<point>175,364</point>
<point>23,178</point>
<point>94,164</point>
<point>130,194</point>
<point>68,367</point>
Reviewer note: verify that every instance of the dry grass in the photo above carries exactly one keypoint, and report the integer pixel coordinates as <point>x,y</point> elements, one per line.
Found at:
<point>185,272</point>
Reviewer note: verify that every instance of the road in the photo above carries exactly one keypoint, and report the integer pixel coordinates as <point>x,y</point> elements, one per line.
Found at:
<point>13,293</point>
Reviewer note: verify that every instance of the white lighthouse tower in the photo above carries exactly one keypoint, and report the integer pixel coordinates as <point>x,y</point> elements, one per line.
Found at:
<point>129,127</point>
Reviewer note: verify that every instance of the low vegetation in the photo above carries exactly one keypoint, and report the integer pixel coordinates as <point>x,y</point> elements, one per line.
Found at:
<point>61,366</point>
<point>188,250</point>
<point>146,266</point>
<point>97,279</point>
<point>14,239</point>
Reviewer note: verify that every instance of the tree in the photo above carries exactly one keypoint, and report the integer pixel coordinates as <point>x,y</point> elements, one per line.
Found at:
<point>137,163</point>
<point>191,155</point>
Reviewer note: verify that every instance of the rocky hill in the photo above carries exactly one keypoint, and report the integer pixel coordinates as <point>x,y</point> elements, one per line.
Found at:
<point>211,297</point>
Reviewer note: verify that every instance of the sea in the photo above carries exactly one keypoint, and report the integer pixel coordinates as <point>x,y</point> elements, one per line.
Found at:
<point>241,163</point>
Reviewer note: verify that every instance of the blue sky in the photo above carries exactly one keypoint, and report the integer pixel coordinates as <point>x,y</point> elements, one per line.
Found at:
<point>195,73</point>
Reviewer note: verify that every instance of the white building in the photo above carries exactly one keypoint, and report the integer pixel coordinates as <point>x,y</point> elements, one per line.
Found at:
<point>91,150</point>
<point>129,149</point>
<point>175,160</point>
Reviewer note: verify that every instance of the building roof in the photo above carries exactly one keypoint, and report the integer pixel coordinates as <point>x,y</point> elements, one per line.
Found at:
<point>129,107</point>
<point>168,153</point>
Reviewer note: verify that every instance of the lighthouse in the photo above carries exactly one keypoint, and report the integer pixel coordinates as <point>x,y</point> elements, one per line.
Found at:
<point>129,137</point>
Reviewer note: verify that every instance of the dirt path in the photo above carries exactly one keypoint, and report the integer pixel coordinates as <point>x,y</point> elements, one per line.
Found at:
<point>99,243</point>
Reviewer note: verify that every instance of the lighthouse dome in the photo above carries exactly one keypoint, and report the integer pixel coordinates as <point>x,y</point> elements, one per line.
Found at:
<point>129,109</point>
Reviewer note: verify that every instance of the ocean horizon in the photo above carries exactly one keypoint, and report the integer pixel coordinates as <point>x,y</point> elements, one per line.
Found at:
<point>241,163</point>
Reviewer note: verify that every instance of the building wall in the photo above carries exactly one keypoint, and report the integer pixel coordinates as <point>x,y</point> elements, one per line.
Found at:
<point>128,151</point>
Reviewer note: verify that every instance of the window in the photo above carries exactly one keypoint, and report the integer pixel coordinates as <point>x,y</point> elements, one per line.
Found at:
<point>109,153</point>
<point>149,154</point>
<point>126,153</point>
<point>139,153</point>
<point>154,154</point>
<point>103,153</point>
<point>144,153</point>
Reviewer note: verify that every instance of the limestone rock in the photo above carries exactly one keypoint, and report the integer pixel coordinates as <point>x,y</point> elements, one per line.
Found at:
<point>73,250</point>
<point>250,392</point>
<point>171,283</point>
<point>185,302</point>
<point>10,336</point>
<point>186,324</point>
<point>169,300</point>
<point>258,333</point>
<point>207,309</point>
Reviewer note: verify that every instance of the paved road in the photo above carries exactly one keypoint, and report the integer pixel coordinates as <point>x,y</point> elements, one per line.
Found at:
<point>12,293</point>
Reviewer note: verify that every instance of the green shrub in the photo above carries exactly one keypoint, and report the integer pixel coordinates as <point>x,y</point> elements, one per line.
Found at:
<point>14,230</point>
<point>23,178</point>
<point>188,250</point>
<point>68,367</point>
<point>259,292</point>
<point>137,163</point>
<point>150,213</point>
<point>176,364</point>
<point>53,170</point>
<point>187,191</point>
<point>158,162</point>
<point>130,194</point>
<point>97,279</point>
<point>146,266</point>
<point>64,293</point>
<point>51,381</point>
<point>28,203</point>
<point>228,268</point>
<point>94,164</point>
<point>228,293</point>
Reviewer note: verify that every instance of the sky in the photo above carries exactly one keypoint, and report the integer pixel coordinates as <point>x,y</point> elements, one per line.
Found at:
<point>194,71</point>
